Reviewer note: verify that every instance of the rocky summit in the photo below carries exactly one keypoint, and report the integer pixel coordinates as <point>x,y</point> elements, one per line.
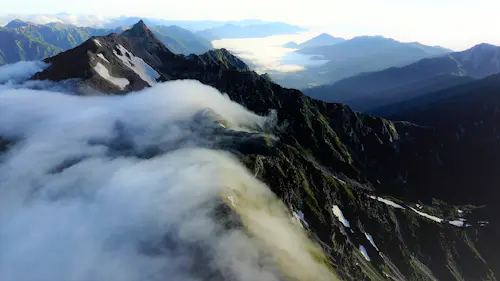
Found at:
<point>375,194</point>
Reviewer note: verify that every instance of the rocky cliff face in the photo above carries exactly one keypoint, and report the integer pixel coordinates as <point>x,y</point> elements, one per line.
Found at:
<point>352,180</point>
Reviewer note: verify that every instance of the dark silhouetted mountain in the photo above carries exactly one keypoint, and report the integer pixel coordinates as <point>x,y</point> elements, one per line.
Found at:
<point>326,157</point>
<point>475,91</point>
<point>368,91</point>
<point>250,31</point>
<point>323,39</point>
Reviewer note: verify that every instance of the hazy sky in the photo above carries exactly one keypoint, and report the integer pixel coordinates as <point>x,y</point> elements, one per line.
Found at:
<point>453,23</point>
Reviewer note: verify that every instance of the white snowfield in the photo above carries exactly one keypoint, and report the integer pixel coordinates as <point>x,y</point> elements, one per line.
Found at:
<point>370,238</point>
<point>436,219</point>
<point>104,73</point>
<point>138,65</point>
<point>103,57</point>
<point>459,223</point>
<point>338,213</point>
<point>387,202</point>
<point>97,42</point>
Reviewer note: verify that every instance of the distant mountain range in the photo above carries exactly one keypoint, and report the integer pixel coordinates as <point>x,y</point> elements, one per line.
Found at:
<point>249,31</point>
<point>369,53</point>
<point>117,22</point>
<point>62,36</point>
<point>369,91</point>
<point>355,56</point>
<point>197,25</point>
<point>27,41</point>
<point>323,39</point>
<point>181,41</point>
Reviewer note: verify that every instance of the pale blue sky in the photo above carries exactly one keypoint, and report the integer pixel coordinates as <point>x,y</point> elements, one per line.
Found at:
<point>456,24</point>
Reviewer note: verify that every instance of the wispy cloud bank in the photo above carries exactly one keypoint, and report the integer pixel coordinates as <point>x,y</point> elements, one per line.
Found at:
<point>132,188</point>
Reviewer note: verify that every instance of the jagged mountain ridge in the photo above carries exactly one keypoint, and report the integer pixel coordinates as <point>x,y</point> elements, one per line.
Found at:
<point>368,91</point>
<point>138,41</point>
<point>327,155</point>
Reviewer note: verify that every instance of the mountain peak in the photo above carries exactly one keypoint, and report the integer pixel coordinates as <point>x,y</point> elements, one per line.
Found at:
<point>324,39</point>
<point>324,35</point>
<point>140,26</point>
<point>483,50</point>
<point>222,57</point>
<point>483,46</point>
<point>291,44</point>
<point>138,29</point>
<point>16,24</point>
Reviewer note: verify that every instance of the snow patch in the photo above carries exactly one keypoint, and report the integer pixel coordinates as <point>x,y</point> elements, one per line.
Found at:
<point>97,42</point>
<point>459,223</point>
<point>364,252</point>
<point>370,238</point>
<point>387,202</point>
<point>104,73</point>
<point>436,219</point>
<point>338,213</point>
<point>138,65</point>
<point>102,57</point>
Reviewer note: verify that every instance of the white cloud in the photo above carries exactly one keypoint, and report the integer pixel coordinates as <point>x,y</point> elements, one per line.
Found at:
<point>80,199</point>
<point>20,71</point>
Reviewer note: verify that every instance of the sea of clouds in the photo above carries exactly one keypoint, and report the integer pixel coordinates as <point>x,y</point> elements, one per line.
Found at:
<point>135,188</point>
